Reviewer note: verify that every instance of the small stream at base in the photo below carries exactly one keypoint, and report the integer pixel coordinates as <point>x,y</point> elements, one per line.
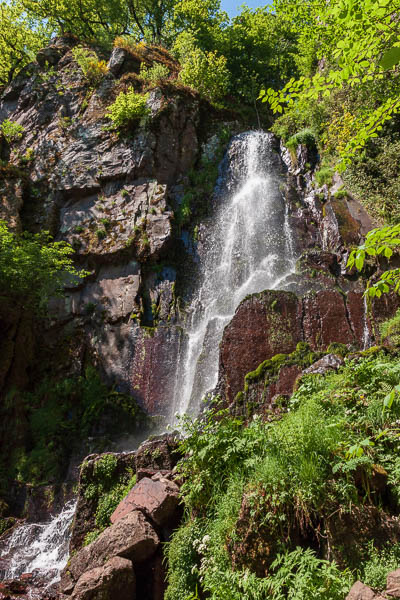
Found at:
<point>42,548</point>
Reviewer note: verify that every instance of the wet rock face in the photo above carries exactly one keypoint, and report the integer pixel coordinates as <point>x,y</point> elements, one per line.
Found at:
<point>108,195</point>
<point>273,323</point>
<point>264,325</point>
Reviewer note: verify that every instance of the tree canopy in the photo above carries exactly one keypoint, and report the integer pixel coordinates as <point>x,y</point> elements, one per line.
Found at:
<point>354,42</point>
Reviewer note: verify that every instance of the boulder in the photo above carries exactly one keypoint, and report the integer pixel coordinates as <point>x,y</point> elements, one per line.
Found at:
<point>157,455</point>
<point>132,537</point>
<point>393,584</point>
<point>265,324</point>
<point>115,580</point>
<point>85,513</point>
<point>330,362</point>
<point>157,499</point>
<point>359,591</point>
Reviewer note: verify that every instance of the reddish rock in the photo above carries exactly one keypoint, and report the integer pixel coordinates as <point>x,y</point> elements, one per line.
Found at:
<point>393,584</point>
<point>286,380</point>
<point>325,320</point>
<point>132,537</point>
<point>157,455</point>
<point>359,591</point>
<point>157,499</point>
<point>358,318</point>
<point>155,352</point>
<point>265,324</point>
<point>115,580</point>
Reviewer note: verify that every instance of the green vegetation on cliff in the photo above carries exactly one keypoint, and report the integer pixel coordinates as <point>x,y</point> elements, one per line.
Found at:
<point>270,504</point>
<point>33,268</point>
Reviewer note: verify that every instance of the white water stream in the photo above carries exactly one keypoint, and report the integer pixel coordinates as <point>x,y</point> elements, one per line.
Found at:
<point>248,249</point>
<point>40,547</point>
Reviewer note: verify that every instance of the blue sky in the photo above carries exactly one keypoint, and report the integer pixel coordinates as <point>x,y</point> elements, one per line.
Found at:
<point>231,6</point>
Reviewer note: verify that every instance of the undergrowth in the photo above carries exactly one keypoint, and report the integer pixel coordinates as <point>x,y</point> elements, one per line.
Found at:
<point>258,494</point>
<point>58,412</point>
<point>105,491</point>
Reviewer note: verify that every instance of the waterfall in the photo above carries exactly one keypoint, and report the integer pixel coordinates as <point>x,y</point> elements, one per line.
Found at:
<point>249,248</point>
<point>42,548</point>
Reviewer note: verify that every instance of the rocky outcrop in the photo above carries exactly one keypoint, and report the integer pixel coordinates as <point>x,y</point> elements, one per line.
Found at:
<point>271,323</point>
<point>157,498</point>
<point>359,591</point>
<point>113,198</point>
<point>157,455</point>
<point>132,537</point>
<point>85,513</point>
<point>116,579</point>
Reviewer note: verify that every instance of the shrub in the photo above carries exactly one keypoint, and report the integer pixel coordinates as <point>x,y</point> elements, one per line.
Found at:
<point>305,136</point>
<point>92,68</point>
<point>380,562</point>
<point>11,131</point>
<point>205,72</point>
<point>289,472</point>
<point>101,234</point>
<point>324,176</point>
<point>33,267</point>
<point>158,72</point>
<point>128,107</point>
<point>129,43</point>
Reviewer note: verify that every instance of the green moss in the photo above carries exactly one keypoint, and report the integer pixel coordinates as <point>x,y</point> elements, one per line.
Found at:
<point>268,370</point>
<point>391,329</point>
<point>340,349</point>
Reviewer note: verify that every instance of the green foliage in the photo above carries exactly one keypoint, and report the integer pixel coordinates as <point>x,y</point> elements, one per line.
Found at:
<point>305,136</point>
<point>33,268</point>
<point>58,412</point>
<point>106,490</point>
<point>20,38</point>
<point>183,560</point>
<point>206,72</point>
<point>158,72</point>
<point>380,562</point>
<point>373,178</point>
<point>391,329</point>
<point>92,68</point>
<point>11,131</point>
<point>260,49</point>
<point>324,176</point>
<point>379,242</point>
<point>91,536</point>
<point>127,108</point>
<point>292,472</point>
<point>358,44</point>
<point>300,575</point>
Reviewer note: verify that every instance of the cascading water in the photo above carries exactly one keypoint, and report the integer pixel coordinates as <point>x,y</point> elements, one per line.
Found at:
<point>42,548</point>
<point>248,249</point>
